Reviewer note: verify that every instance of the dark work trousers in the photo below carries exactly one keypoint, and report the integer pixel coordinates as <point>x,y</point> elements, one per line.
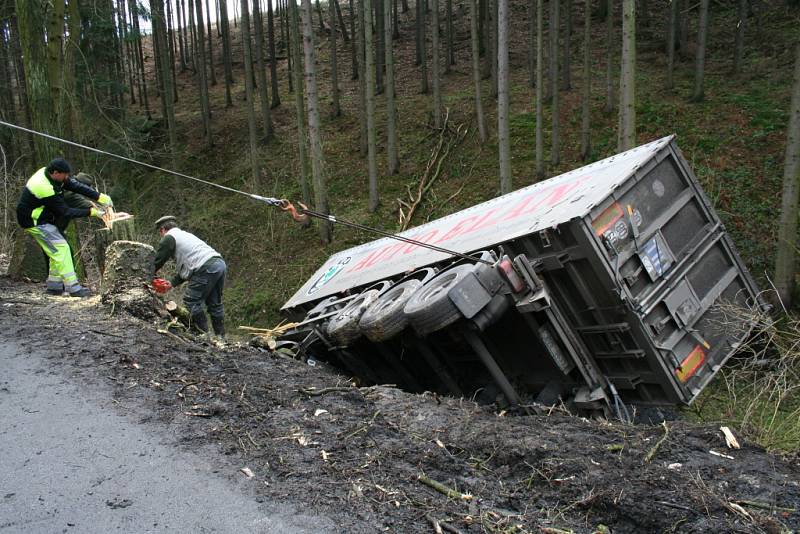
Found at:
<point>205,286</point>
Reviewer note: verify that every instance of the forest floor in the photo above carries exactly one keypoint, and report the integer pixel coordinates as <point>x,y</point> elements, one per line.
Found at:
<point>312,438</point>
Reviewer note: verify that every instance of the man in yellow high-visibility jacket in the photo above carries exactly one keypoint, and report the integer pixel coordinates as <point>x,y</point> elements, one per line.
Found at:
<point>40,204</point>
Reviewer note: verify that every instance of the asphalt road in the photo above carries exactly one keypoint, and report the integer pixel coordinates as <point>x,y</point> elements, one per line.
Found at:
<point>71,461</point>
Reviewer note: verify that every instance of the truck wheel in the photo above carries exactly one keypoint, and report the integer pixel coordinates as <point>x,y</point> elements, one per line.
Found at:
<point>343,328</point>
<point>385,319</point>
<point>430,308</point>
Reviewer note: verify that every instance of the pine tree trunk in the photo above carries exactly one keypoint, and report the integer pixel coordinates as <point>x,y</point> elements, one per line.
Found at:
<point>435,62</point>
<point>297,74</point>
<point>610,98</point>
<point>193,35</point>
<point>493,47</point>
<point>315,136</point>
<point>273,61</point>
<point>289,63</point>
<point>700,60</point>
<point>181,24</point>
<point>249,94</point>
<point>336,111</point>
<point>539,89</point>
<point>451,53</point>
<point>741,28</point>
<point>30,30</point>
<point>379,46</point>
<point>205,107</point>
<point>162,51</point>
<point>532,43</point>
<point>627,79</point>
<point>555,147</point>
<point>362,86</point>
<point>342,25</point>
<point>503,140</point>
<point>785,262</point>
<point>354,43</point>
<point>210,46</point>
<point>683,27</point>
<point>369,83</point>
<point>393,162</point>
<point>126,41</point>
<point>319,16</point>
<point>263,91</point>
<point>476,68</point>
<point>422,21</point>
<point>418,33</point>
<point>140,54</point>
<point>226,51</point>
<point>566,71</point>
<point>671,32</point>
<point>586,140</point>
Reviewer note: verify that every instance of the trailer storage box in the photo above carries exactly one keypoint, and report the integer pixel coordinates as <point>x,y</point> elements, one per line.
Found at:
<point>608,283</point>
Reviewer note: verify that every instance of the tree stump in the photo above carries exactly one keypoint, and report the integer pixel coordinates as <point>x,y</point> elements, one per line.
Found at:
<point>125,284</point>
<point>122,228</point>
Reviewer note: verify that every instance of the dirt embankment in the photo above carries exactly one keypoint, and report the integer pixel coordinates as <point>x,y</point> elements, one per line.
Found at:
<point>365,454</point>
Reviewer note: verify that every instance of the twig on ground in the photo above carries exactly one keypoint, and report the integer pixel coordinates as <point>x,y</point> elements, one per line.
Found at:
<point>655,448</point>
<point>445,490</point>
<point>439,525</point>
<point>324,391</point>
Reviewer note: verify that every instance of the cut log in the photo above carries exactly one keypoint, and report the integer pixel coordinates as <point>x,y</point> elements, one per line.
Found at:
<point>121,228</point>
<point>179,312</point>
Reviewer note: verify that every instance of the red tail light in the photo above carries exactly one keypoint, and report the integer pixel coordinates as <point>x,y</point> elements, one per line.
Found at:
<point>511,276</point>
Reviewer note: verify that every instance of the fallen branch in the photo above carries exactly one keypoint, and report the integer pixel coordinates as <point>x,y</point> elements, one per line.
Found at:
<point>439,526</point>
<point>441,488</point>
<point>325,391</point>
<point>765,506</point>
<point>655,448</point>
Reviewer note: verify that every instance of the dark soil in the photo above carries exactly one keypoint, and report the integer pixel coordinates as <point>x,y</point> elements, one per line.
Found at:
<point>357,454</point>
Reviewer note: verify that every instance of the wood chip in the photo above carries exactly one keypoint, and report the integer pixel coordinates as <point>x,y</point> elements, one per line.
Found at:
<point>730,439</point>
<point>319,411</point>
<point>715,453</point>
<point>247,472</point>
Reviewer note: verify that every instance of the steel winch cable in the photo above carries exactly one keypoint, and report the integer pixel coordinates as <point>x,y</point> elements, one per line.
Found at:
<point>275,202</point>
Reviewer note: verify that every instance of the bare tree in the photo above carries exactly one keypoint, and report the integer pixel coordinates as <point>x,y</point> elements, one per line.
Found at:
<point>314,133</point>
<point>566,71</point>
<point>273,62</point>
<point>210,47</point>
<point>671,32</point>
<point>263,91</point>
<point>451,53</point>
<point>555,148</point>
<point>297,74</point>
<point>627,79</point>
<point>476,68</point>
<point>539,88</point>
<point>369,82</point>
<point>785,261</point>
<point>205,106</point>
<point>503,140</point>
<point>435,61</point>
<point>226,50</point>
<point>700,60</point>
<point>422,18</point>
<point>741,28</point>
<point>393,162</point>
<point>610,56</point>
<point>249,96</point>
<point>586,140</point>
<point>337,109</point>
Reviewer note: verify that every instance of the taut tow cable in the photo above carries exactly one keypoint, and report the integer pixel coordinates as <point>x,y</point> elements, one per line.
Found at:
<point>300,214</point>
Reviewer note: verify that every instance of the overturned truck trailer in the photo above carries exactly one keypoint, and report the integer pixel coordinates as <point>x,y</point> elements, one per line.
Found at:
<point>605,285</point>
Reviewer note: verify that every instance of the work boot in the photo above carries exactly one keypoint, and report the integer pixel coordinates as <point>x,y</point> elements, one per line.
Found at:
<point>218,323</point>
<point>81,292</point>
<point>54,288</point>
<point>199,323</point>
<point>57,292</point>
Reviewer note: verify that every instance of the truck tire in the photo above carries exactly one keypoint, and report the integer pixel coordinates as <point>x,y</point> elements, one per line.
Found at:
<point>384,319</point>
<point>343,328</point>
<point>430,309</point>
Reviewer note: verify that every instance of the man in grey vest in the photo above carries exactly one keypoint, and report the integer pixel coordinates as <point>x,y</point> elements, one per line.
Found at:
<point>200,265</point>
